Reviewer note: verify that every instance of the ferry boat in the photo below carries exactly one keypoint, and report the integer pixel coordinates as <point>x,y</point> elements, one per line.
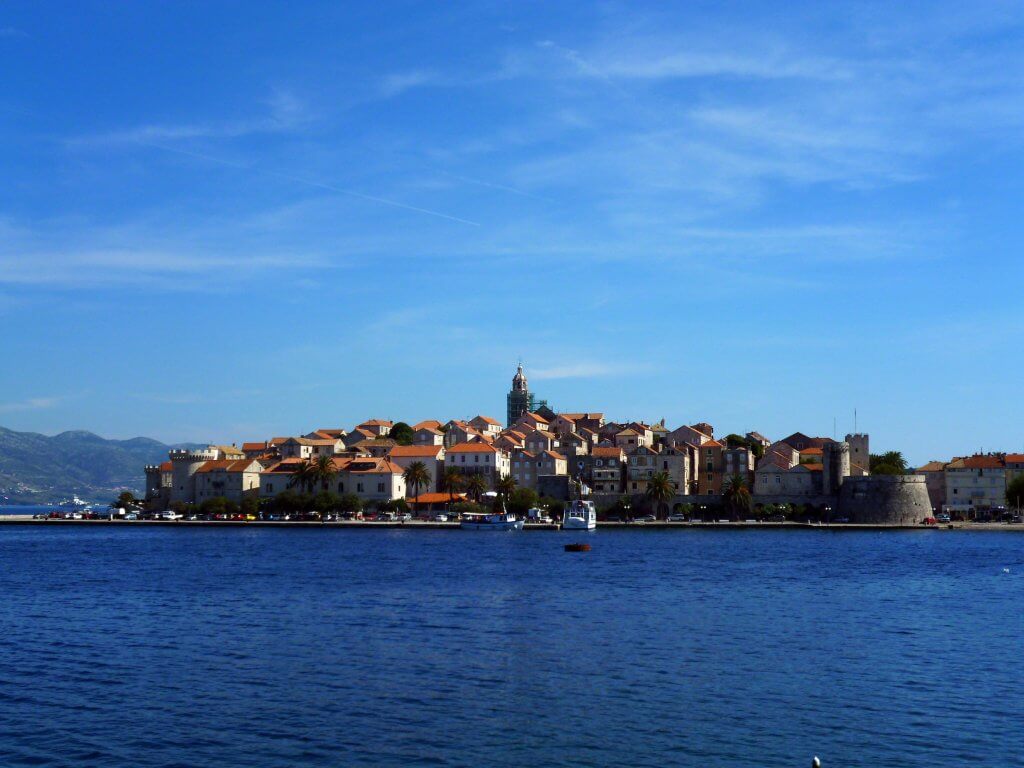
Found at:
<point>580,516</point>
<point>499,521</point>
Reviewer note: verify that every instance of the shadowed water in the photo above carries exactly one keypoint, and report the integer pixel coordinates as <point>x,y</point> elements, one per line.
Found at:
<point>226,647</point>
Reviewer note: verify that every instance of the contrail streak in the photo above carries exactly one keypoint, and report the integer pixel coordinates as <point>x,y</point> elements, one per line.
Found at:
<point>309,183</point>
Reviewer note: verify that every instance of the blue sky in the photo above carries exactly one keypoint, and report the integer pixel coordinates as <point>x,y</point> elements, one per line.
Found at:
<point>226,221</point>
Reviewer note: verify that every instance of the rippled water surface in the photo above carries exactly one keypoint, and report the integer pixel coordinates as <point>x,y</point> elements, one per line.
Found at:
<point>223,647</point>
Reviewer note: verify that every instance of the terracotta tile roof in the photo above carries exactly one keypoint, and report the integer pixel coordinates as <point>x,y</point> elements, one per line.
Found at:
<point>984,462</point>
<point>812,452</point>
<point>1015,458</point>
<point>311,441</point>
<point>603,451</point>
<point>431,430</point>
<point>427,424</point>
<point>537,417</point>
<point>809,467</point>
<point>934,466</point>
<point>554,455</point>
<point>226,465</point>
<point>335,433</point>
<point>364,466</point>
<point>627,432</point>
<point>253,446</point>
<point>488,420</point>
<point>476,447</point>
<point>407,451</point>
<point>167,466</point>
<point>278,440</point>
<point>711,444</point>
<point>377,423</point>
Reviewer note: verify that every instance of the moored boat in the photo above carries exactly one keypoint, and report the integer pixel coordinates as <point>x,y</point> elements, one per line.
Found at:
<point>580,515</point>
<point>499,521</point>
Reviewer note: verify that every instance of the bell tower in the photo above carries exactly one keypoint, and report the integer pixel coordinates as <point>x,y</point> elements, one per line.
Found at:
<point>518,399</point>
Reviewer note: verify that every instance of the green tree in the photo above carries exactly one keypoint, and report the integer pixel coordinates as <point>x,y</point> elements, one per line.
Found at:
<point>505,486</point>
<point>416,474</point>
<point>251,506</point>
<point>451,481</point>
<point>401,433</point>
<point>125,500</point>
<point>349,502</point>
<point>737,496</point>
<point>231,507</point>
<point>1015,492</point>
<point>476,485</point>
<point>520,501</point>
<point>661,490</point>
<point>323,471</point>
<point>888,463</point>
<point>304,476</point>
<point>214,506</point>
<point>325,503</point>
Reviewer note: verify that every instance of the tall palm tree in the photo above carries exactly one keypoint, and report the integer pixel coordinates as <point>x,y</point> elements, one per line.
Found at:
<point>416,474</point>
<point>303,476</point>
<point>451,481</point>
<point>737,495</point>
<point>505,485</point>
<point>661,490</point>
<point>324,471</point>
<point>476,484</point>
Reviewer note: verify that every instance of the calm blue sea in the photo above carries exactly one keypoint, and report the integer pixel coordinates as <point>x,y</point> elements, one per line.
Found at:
<point>255,647</point>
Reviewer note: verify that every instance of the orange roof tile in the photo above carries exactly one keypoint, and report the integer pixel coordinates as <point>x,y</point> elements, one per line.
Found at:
<point>477,447</point>
<point>167,466</point>
<point>983,462</point>
<point>406,451</point>
<point>1015,458</point>
<point>435,498</point>
<point>603,451</point>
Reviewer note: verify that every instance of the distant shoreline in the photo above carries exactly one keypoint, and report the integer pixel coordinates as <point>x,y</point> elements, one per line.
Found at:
<point>429,525</point>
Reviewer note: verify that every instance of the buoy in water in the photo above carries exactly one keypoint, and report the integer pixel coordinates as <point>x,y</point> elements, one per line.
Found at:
<point>578,547</point>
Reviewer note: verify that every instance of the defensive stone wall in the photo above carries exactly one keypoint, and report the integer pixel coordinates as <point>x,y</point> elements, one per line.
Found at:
<point>884,499</point>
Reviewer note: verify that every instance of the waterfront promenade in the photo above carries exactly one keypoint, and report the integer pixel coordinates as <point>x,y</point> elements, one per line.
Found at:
<point>431,525</point>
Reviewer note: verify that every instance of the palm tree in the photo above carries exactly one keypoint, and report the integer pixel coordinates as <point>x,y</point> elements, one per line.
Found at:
<point>416,474</point>
<point>451,481</point>
<point>737,495</point>
<point>661,490</point>
<point>324,471</point>
<point>304,476</point>
<point>505,485</point>
<point>476,484</point>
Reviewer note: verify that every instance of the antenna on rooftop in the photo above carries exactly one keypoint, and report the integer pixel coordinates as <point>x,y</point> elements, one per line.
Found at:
<point>855,421</point>
<point>833,427</point>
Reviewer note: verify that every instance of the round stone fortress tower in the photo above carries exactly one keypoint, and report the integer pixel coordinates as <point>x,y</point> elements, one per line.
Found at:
<point>884,500</point>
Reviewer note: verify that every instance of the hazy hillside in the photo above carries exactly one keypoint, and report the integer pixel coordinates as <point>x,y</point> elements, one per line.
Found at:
<point>36,468</point>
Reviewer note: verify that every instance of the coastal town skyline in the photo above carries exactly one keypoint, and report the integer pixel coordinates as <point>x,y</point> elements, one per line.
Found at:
<point>766,218</point>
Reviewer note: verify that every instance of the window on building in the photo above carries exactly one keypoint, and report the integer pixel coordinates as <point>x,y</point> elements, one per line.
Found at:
<point>711,477</point>
<point>270,487</point>
<point>359,487</point>
<point>380,487</point>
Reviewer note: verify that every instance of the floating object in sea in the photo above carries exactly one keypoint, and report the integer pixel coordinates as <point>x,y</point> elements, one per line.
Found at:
<point>816,763</point>
<point>1006,570</point>
<point>578,547</point>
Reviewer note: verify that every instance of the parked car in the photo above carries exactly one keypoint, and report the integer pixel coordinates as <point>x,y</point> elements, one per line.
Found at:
<point>677,518</point>
<point>646,519</point>
<point>943,517</point>
<point>404,517</point>
<point>776,518</point>
<point>441,517</point>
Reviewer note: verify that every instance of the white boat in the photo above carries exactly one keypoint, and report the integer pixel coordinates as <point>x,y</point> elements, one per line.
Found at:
<point>580,516</point>
<point>500,521</point>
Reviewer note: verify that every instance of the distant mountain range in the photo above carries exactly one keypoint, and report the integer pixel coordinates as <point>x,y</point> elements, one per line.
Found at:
<point>37,469</point>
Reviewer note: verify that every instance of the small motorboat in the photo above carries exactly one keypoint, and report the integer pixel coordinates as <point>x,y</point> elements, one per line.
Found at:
<point>499,521</point>
<point>577,547</point>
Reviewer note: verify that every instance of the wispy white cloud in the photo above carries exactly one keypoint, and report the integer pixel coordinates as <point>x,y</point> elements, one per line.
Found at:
<point>285,112</point>
<point>31,404</point>
<point>399,82</point>
<point>13,32</point>
<point>581,370</point>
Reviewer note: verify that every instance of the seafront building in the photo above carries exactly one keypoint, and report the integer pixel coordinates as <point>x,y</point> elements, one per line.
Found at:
<point>557,453</point>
